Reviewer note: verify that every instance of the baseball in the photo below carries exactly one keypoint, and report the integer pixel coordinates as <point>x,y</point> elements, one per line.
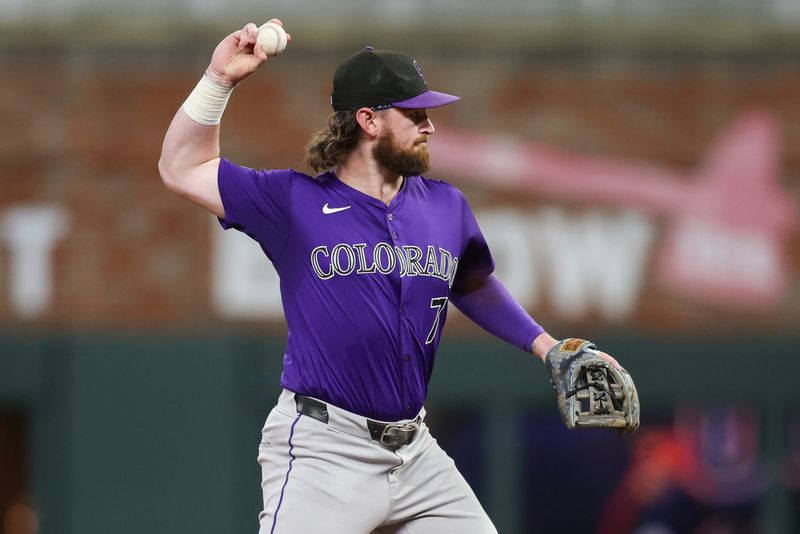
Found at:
<point>271,38</point>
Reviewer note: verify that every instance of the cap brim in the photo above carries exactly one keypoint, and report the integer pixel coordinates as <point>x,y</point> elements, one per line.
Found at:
<point>428,99</point>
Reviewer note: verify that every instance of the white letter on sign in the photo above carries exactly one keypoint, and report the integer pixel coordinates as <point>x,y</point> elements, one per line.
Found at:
<point>244,283</point>
<point>30,233</point>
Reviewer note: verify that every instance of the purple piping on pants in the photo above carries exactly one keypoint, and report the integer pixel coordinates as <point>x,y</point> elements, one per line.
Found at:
<point>286,481</point>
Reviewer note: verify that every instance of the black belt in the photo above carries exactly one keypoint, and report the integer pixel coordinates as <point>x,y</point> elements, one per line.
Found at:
<point>392,435</point>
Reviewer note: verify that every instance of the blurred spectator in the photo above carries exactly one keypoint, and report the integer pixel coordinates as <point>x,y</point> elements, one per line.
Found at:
<point>20,518</point>
<point>701,476</point>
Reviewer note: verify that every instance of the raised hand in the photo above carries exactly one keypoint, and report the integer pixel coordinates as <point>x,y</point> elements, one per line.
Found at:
<point>238,56</point>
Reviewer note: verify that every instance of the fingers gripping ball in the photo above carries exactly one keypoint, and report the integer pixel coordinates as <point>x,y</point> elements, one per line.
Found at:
<point>591,392</point>
<point>271,38</point>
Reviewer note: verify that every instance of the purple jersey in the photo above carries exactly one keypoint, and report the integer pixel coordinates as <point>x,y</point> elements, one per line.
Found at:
<point>364,285</point>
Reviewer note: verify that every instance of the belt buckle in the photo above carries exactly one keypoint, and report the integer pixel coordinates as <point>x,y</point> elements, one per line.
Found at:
<point>394,435</point>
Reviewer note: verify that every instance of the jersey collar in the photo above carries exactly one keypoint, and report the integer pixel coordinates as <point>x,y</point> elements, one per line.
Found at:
<point>362,197</point>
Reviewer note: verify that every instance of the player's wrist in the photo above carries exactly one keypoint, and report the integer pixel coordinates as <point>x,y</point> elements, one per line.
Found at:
<point>219,78</point>
<point>542,345</point>
<point>207,101</point>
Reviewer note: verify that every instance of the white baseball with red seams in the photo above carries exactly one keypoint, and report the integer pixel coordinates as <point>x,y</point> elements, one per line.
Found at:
<point>272,38</point>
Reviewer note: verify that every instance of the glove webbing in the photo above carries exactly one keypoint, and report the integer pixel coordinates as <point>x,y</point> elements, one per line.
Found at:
<point>589,368</point>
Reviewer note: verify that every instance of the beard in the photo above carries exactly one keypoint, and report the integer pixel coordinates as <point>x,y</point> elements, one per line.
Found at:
<point>402,161</point>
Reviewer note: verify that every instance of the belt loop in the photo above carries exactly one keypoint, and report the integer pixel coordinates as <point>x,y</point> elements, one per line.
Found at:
<point>312,408</point>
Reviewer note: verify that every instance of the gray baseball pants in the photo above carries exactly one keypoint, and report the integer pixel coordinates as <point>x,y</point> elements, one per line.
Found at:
<point>332,478</point>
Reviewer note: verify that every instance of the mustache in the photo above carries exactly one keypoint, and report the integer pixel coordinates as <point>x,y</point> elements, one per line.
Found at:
<point>422,139</point>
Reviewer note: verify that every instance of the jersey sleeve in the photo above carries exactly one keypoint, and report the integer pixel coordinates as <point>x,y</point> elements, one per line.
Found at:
<point>492,307</point>
<point>257,202</point>
<point>476,260</point>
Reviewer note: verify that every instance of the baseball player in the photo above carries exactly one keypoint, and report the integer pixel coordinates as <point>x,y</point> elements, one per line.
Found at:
<point>369,254</point>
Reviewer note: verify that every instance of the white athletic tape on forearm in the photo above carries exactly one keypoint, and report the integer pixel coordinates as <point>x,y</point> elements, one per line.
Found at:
<point>207,101</point>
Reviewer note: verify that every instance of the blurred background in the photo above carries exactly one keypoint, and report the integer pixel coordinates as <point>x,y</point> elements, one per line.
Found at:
<point>634,164</point>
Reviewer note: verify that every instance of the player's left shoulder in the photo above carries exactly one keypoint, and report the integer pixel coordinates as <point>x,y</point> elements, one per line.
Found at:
<point>432,182</point>
<point>442,194</point>
<point>439,187</point>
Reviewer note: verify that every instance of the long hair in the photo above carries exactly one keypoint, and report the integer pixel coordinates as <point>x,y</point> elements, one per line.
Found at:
<point>330,146</point>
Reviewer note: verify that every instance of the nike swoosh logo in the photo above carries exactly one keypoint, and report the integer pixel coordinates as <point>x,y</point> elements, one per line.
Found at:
<point>327,211</point>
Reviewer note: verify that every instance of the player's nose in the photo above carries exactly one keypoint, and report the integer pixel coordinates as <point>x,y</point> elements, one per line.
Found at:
<point>427,127</point>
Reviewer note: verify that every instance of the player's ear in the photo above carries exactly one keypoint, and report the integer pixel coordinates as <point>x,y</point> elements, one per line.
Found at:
<point>366,118</point>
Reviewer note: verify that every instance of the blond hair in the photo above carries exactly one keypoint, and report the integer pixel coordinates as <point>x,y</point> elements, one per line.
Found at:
<point>330,146</point>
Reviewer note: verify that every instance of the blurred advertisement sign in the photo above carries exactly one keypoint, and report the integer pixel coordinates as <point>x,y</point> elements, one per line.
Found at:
<point>591,262</point>
<point>727,223</point>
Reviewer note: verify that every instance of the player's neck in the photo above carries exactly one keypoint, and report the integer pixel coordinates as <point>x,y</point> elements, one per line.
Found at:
<point>366,175</point>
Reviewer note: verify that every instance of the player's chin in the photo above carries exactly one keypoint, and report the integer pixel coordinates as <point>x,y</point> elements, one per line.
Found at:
<point>421,149</point>
<point>423,157</point>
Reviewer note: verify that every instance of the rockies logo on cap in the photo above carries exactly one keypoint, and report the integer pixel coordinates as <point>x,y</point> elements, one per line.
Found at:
<point>419,69</point>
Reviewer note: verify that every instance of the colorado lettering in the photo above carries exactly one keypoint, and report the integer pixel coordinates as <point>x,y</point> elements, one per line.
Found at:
<point>383,258</point>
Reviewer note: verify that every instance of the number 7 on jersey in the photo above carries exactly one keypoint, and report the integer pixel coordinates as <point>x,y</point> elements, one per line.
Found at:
<point>439,304</point>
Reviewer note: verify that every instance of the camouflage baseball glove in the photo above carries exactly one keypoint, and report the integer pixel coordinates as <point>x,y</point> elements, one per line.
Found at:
<point>591,392</point>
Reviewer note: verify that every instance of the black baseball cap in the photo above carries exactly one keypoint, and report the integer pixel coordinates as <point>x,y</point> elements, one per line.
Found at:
<point>380,79</point>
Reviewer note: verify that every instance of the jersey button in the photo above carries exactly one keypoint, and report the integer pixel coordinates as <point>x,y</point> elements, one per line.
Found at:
<point>390,216</point>
<point>394,235</point>
<point>408,358</point>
